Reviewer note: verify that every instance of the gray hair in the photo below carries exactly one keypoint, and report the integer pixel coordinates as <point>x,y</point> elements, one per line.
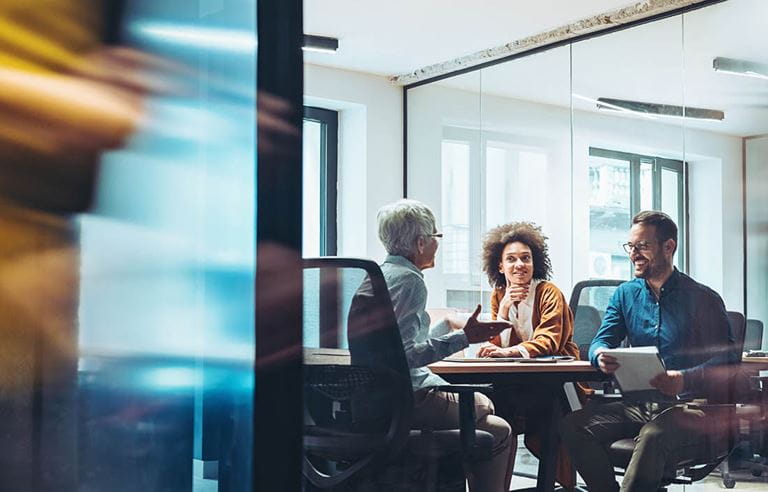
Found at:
<point>402,223</point>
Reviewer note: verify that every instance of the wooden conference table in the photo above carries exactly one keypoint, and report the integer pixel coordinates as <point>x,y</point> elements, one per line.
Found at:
<point>539,374</point>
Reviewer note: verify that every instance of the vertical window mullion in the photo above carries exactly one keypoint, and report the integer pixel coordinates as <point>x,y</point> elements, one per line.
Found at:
<point>323,188</point>
<point>634,185</point>
<point>656,176</point>
<point>476,161</point>
<point>329,281</point>
<point>330,176</point>
<point>682,201</point>
<point>329,142</point>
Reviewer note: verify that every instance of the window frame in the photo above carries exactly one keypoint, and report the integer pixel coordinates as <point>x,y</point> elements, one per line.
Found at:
<point>658,165</point>
<point>478,141</point>
<point>329,152</point>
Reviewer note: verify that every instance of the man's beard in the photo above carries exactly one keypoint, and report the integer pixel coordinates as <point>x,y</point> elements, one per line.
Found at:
<point>654,269</point>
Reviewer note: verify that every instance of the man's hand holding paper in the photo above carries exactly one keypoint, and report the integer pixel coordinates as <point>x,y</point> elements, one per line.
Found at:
<point>669,383</point>
<point>640,369</point>
<point>607,363</point>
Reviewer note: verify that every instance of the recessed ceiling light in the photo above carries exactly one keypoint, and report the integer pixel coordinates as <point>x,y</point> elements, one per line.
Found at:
<point>321,44</point>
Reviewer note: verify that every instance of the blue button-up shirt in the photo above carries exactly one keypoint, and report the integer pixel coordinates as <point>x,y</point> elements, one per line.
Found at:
<point>423,346</point>
<point>687,323</point>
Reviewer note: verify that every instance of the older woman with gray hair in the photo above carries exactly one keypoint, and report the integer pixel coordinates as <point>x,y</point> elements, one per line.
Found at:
<point>407,231</point>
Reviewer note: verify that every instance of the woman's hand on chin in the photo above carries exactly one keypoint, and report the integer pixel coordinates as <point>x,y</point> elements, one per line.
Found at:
<point>491,350</point>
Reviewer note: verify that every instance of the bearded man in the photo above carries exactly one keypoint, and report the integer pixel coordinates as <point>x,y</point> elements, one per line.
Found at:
<point>688,323</point>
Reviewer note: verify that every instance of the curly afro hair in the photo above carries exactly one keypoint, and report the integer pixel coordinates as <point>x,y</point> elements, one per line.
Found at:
<point>527,233</point>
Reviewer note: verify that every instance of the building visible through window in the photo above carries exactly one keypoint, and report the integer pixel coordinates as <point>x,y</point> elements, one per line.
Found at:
<point>622,184</point>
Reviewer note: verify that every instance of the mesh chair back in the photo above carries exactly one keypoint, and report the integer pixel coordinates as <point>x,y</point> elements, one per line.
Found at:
<point>738,328</point>
<point>357,409</point>
<point>589,300</point>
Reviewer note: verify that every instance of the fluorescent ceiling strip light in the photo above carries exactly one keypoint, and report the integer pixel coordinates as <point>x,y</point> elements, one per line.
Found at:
<point>611,106</point>
<point>221,39</point>
<point>662,110</point>
<point>743,68</point>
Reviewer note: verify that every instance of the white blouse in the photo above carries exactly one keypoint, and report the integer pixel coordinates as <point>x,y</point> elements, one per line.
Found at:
<point>521,317</point>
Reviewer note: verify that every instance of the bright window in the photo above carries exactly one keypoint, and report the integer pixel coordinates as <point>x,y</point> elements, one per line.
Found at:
<point>621,185</point>
<point>319,162</point>
<point>319,159</point>
<point>488,179</point>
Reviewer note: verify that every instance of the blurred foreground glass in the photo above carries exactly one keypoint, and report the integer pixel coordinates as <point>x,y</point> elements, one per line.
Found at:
<point>166,309</point>
<point>135,319</point>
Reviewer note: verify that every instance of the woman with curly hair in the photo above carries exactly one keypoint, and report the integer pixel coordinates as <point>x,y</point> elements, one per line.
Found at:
<point>516,260</point>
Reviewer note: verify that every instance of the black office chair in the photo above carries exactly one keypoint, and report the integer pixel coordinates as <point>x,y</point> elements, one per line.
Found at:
<point>357,415</point>
<point>750,450</point>
<point>695,467</point>
<point>753,340</point>
<point>588,302</point>
<point>758,427</point>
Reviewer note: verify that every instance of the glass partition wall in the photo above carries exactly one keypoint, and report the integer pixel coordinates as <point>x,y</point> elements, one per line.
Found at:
<point>491,138</point>
<point>448,153</point>
<point>625,161</point>
<point>668,115</point>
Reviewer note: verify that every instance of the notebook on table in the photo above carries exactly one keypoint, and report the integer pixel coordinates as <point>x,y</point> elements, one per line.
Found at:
<point>546,359</point>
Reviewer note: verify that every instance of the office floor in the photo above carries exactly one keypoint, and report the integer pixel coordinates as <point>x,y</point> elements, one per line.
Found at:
<point>745,482</point>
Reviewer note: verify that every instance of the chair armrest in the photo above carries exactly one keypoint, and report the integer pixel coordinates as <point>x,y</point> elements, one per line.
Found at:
<point>603,397</point>
<point>757,383</point>
<point>749,412</point>
<point>466,394</point>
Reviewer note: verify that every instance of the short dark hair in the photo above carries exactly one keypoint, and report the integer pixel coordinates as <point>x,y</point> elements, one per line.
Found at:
<point>665,226</point>
<point>527,233</point>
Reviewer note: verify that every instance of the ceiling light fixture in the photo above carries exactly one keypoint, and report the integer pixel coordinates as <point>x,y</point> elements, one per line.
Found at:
<point>609,106</point>
<point>321,44</point>
<point>740,67</point>
<point>661,110</point>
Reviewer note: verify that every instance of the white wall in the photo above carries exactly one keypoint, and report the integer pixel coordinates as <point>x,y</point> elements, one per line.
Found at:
<point>715,176</point>
<point>370,150</point>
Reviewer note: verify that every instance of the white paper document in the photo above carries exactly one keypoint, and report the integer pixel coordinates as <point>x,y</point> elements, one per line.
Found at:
<point>637,366</point>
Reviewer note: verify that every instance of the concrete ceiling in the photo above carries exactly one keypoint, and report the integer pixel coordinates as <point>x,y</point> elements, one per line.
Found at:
<point>398,36</point>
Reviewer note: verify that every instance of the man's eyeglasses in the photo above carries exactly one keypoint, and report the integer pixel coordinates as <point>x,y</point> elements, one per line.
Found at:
<point>438,235</point>
<point>641,246</point>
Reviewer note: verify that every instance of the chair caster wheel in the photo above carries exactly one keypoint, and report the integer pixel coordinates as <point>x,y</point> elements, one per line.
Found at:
<point>729,482</point>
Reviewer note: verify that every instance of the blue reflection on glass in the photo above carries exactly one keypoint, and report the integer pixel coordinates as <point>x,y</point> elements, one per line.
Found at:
<point>167,267</point>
